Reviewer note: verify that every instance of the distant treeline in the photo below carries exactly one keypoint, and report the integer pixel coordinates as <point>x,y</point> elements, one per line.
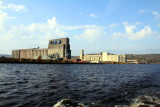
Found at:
<point>145,58</point>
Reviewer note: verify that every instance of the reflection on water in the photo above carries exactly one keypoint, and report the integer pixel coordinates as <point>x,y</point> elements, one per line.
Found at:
<point>40,85</point>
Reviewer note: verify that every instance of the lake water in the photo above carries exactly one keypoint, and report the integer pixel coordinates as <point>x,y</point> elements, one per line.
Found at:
<point>43,85</point>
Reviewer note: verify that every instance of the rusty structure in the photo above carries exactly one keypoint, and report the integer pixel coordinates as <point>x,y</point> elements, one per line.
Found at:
<point>57,48</point>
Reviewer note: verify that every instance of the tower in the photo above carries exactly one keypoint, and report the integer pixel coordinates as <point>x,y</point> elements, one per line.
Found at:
<point>59,46</point>
<point>82,55</point>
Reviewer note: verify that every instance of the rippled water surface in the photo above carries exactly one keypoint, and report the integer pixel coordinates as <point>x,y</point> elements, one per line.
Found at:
<point>42,85</point>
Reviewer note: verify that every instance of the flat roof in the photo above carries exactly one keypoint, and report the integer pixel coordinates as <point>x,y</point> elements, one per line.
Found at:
<point>93,54</point>
<point>31,49</point>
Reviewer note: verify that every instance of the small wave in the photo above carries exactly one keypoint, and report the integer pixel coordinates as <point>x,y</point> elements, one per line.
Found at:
<point>141,101</point>
<point>68,103</point>
<point>7,83</point>
<point>17,71</point>
<point>22,82</point>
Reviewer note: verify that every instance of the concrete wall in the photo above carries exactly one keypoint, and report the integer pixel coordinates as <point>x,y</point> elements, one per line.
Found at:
<point>26,53</point>
<point>15,53</point>
<point>122,58</point>
<point>92,58</point>
<point>30,53</point>
<point>40,52</point>
<point>82,55</point>
<point>113,57</point>
<point>110,57</point>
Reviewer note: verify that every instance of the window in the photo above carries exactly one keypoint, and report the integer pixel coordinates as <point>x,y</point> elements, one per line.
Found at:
<point>50,42</point>
<point>59,41</point>
<point>54,42</point>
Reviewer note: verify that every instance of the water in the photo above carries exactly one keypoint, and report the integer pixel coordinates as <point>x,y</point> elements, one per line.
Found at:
<point>107,85</point>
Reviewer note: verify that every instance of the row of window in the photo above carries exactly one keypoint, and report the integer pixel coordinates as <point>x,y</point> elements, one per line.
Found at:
<point>55,42</point>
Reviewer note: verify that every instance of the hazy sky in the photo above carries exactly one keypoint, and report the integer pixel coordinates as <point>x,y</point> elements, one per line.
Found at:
<point>116,26</point>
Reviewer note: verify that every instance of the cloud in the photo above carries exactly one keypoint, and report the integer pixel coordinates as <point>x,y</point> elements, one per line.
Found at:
<point>156,14</point>
<point>92,33</point>
<point>117,35</point>
<point>93,15</point>
<point>131,34</point>
<point>4,17</point>
<point>45,30</point>
<point>112,26</point>
<point>143,10</point>
<point>21,36</point>
<point>14,7</point>
<point>37,34</point>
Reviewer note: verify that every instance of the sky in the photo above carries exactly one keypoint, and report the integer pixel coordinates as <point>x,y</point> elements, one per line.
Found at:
<point>115,26</point>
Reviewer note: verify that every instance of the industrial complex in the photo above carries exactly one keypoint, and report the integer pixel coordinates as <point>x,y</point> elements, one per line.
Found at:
<point>60,49</point>
<point>57,49</point>
<point>102,57</point>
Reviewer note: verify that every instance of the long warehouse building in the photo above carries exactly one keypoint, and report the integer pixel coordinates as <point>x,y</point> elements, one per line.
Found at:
<point>59,48</point>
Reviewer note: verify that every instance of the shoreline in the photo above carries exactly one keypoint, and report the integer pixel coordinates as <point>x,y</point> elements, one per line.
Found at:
<point>62,63</point>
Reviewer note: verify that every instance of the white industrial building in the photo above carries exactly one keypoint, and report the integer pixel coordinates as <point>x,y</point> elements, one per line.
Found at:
<point>102,57</point>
